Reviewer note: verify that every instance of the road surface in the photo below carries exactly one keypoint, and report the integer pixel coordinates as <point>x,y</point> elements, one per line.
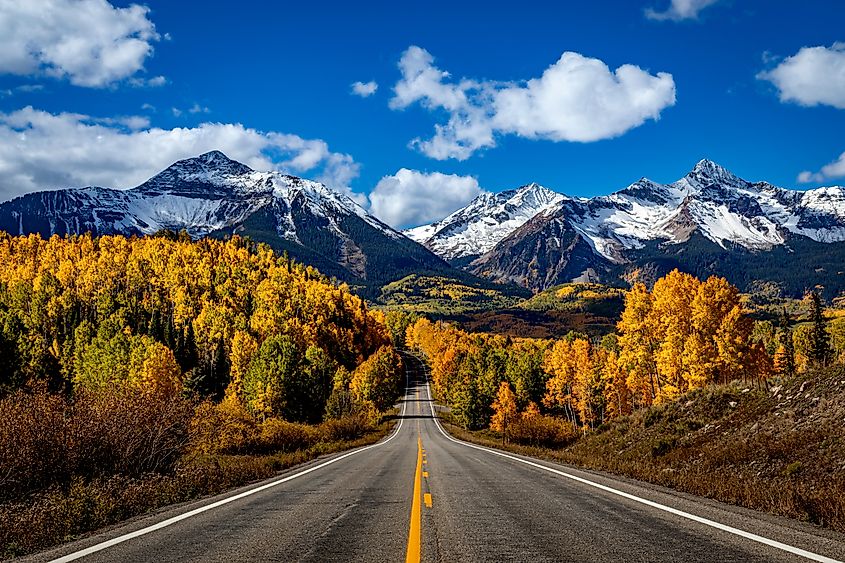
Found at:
<point>421,495</point>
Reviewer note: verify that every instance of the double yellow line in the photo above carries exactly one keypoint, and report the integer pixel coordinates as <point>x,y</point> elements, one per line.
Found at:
<point>415,533</point>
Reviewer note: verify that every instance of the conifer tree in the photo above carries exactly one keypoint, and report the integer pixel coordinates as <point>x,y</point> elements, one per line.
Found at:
<point>820,351</point>
<point>784,360</point>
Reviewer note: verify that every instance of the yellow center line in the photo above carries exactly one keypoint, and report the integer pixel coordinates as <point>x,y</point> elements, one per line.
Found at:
<point>428,500</point>
<point>425,474</point>
<point>414,535</point>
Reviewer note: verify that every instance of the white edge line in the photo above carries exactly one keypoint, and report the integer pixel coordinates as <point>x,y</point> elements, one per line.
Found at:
<point>713,524</point>
<point>170,521</point>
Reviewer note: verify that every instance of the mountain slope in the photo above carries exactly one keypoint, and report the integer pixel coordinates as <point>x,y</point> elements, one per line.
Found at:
<point>710,222</point>
<point>541,253</point>
<point>476,228</point>
<point>211,195</point>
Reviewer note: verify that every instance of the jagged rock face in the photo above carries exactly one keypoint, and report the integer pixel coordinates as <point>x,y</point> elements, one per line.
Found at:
<point>544,252</point>
<point>212,195</point>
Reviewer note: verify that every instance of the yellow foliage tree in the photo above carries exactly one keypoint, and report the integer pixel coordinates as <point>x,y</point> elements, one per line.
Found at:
<point>639,345</point>
<point>504,409</point>
<point>559,364</point>
<point>159,371</point>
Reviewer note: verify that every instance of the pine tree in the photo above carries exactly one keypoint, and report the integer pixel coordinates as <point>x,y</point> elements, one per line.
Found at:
<point>820,352</point>
<point>784,360</point>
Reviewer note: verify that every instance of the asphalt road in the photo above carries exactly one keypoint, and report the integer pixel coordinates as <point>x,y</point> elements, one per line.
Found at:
<point>420,494</point>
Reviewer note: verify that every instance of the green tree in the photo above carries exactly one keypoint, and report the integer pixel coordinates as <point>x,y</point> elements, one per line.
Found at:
<point>377,379</point>
<point>272,370</point>
<point>820,351</point>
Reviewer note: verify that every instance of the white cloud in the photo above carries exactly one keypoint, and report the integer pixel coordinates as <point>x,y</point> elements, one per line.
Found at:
<point>90,42</point>
<point>364,89</point>
<point>679,10</point>
<point>194,109</point>
<point>410,198</point>
<point>812,76</point>
<point>835,169</point>
<point>41,150</point>
<point>153,82</point>
<point>23,88</point>
<point>576,99</point>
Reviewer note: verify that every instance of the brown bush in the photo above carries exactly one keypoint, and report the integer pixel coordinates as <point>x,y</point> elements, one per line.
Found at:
<point>224,428</point>
<point>541,431</point>
<point>281,436</point>
<point>47,440</point>
<point>346,428</point>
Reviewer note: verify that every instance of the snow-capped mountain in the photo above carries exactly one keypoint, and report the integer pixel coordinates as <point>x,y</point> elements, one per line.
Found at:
<point>212,195</point>
<point>709,203</point>
<point>490,217</point>
<point>714,202</point>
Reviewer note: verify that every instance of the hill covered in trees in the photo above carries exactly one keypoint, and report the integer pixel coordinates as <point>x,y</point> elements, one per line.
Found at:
<point>140,371</point>
<point>683,334</point>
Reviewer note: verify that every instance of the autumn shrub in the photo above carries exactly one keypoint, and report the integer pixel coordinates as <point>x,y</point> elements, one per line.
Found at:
<point>346,428</point>
<point>224,428</point>
<point>48,440</point>
<point>127,431</point>
<point>281,436</point>
<point>31,457</point>
<point>541,431</point>
<point>228,429</point>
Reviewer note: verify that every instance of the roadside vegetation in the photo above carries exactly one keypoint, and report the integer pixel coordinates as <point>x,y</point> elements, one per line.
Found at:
<point>689,392</point>
<point>138,372</point>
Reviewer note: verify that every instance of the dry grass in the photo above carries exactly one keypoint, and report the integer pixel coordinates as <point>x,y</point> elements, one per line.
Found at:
<point>781,451</point>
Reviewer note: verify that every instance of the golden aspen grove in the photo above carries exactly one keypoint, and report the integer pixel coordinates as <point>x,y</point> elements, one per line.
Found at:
<point>150,358</point>
<point>681,335</point>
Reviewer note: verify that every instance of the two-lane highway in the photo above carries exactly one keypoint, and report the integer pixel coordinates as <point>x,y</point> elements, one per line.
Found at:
<point>422,495</point>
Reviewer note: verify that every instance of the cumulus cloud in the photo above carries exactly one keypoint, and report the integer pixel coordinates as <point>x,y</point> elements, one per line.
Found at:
<point>41,150</point>
<point>364,89</point>
<point>576,99</point>
<point>409,197</point>
<point>835,169</point>
<point>89,42</point>
<point>679,10</point>
<point>812,76</point>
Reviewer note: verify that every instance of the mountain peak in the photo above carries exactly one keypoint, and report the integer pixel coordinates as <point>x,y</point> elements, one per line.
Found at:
<point>214,157</point>
<point>532,195</point>
<point>707,169</point>
<point>212,168</point>
<point>212,161</point>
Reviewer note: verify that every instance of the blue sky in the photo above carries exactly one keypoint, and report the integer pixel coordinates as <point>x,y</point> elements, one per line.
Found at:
<point>287,68</point>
